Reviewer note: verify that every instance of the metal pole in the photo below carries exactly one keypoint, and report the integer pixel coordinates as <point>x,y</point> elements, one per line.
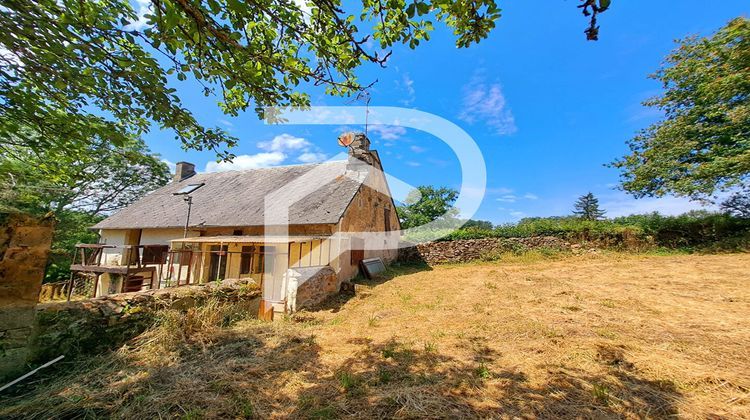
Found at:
<point>189,200</point>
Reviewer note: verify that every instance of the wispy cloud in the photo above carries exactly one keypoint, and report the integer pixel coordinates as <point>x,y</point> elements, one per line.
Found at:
<point>417,149</point>
<point>507,198</point>
<point>226,123</point>
<point>284,142</point>
<point>312,157</point>
<point>621,204</point>
<point>413,163</point>
<point>387,132</point>
<point>407,86</point>
<point>485,103</point>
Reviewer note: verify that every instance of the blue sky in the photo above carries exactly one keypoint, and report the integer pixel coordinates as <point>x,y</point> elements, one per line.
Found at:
<point>547,108</point>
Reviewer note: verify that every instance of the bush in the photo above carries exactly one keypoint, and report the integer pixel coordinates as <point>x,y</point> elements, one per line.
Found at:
<point>697,229</point>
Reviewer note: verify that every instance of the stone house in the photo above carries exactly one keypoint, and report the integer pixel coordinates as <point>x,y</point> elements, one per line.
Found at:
<point>339,213</point>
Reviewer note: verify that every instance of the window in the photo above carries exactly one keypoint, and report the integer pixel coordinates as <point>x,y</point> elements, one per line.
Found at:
<point>246,259</point>
<point>155,254</point>
<point>188,189</point>
<point>237,232</point>
<point>387,216</point>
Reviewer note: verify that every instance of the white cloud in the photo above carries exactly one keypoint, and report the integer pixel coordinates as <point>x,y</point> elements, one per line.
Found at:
<point>284,142</point>
<point>417,149</point>
<point>407,84</point>
<point>517,214</point>
<point>530,196</point>
<point>226,122</point>
<point>144,8</point>
<point>414,164</point>
<point>312,157</point>
<point>485,103</point>
<point>172,166</point>
<point>387,132</point>
<point>507,198</point>
<point>499,190</point>
<point>260,160</point>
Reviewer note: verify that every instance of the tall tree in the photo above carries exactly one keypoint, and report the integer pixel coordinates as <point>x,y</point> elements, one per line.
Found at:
<point>738,204</point>
<point>427,204</point>
<point>703,143</point>
<point>587,207</point>
<point>73,70</point>
<point>79,187</point>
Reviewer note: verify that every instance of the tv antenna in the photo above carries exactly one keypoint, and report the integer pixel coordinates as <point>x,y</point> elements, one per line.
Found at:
<point>364,96</point>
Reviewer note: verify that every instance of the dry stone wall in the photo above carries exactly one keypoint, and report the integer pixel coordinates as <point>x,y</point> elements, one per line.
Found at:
<point>473,249</point>
<point>94,325</point>
<point>24,246</point>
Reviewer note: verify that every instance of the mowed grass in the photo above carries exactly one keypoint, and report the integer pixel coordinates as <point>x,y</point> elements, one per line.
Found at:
<point>593,336</point>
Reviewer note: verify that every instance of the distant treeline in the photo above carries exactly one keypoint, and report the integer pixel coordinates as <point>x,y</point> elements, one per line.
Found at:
<point>696,229</point>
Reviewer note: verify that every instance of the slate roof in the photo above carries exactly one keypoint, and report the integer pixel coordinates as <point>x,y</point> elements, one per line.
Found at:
<point>235,198</point>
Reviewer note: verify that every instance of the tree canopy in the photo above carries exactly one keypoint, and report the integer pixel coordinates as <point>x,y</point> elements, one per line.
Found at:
<point>74,70</point>
<point>703,143</point>
<point>96,181</point>
<point>427,204</point>
<point>78,186</point>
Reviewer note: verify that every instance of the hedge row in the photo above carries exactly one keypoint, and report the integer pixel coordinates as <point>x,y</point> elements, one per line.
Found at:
<point>694,229</point>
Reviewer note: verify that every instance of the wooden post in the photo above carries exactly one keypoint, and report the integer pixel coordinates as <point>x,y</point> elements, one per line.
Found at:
<point>70,286</point>
<point>96,284</point>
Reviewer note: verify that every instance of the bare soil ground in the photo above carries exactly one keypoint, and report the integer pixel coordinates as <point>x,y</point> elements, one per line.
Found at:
<point>594,336</point>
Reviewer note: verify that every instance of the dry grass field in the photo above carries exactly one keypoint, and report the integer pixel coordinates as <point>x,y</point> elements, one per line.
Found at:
<point>594,336</point>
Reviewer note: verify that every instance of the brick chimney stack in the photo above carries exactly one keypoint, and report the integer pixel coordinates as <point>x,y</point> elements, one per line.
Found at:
<point>183,170</point>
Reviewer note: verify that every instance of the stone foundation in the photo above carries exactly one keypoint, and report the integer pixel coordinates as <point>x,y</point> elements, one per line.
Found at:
<point>473,249</point>
<point>310,286</point>
<point>24,247</point>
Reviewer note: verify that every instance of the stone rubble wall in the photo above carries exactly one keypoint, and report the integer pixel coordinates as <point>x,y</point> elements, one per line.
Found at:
<point>314,285</point>
<point>95,325</point>
<point>24,247</point>
<point>473,249</point>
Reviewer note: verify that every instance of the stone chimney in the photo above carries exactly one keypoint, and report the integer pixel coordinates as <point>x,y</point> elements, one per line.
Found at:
<point>183,170</point>
<point>359,150</point>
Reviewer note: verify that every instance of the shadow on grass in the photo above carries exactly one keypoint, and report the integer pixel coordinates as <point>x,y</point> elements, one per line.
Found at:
<point>395,380</point>
<point>185,368</point>
<point>262,370</point>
